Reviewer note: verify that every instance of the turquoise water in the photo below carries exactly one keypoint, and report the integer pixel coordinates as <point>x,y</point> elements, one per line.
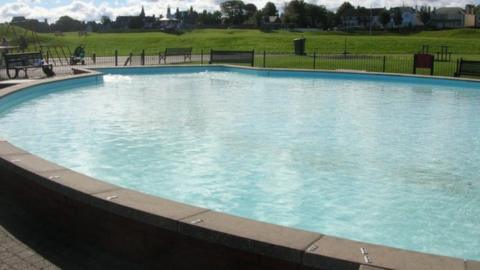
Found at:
<point>393,161</point>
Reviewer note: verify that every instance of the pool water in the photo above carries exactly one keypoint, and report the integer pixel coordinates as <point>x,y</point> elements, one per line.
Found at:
<point>386,160</point>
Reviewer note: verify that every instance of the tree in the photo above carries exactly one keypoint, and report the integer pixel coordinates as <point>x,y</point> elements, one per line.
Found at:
<point>397,16</point>
<point>105,20</point>
<point>249,10</point>
<point>344,9</point>
<point>66,24</point>
<point>233,9</point>
<point>177,14</point>
<point>425,15</point>
<point>270,10</point>
<point>207,18</point>
<point>384,18</point>
<point>169,12</point>
<point>316,16</point>
<point>363,15</point>
<point>259,18</point>
<point>192,16</point>
<point>295,13</point>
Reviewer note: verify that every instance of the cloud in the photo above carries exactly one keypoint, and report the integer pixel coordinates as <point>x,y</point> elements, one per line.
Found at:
<point>89,10</point>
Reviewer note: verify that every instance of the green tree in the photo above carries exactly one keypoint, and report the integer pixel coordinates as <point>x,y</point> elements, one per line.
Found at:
<point>233,9</point>
<point>105,20</point>
<point>425,15</point>
<point>344,9</point>
<point>397,16</point>
<point>208,18</point>
<point>270,9</point>
<point>68,24</point>
<point>249,10</point>
<point>316,16</point>
<point>385,18</point>
<point>295,13</point>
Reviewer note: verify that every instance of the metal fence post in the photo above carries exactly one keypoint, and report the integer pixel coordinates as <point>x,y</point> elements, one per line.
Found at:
<point>116,57</point>
<point>201,57</point>
<point>314,60</point>
<point>142,59</point>
<point>264,59</point>
<point>94,58</point>
<point>48,57</point>
<point>253,58</point>
<point>384,63</point>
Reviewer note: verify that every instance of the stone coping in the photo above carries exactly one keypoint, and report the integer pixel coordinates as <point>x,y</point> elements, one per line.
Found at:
<point>297,70</point>
<point>302,247</point>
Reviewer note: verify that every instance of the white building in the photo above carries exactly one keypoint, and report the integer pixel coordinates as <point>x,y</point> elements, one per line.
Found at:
<point>410,18</point>
<point>453,17</point>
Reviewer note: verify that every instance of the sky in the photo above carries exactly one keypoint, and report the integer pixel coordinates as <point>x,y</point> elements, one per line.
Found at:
<point>88,10</point>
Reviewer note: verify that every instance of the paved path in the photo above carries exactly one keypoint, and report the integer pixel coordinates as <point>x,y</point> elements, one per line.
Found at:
<point>26,243</point>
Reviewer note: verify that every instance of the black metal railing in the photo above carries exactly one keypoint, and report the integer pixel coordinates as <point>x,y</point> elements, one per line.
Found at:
<point>393,63</point>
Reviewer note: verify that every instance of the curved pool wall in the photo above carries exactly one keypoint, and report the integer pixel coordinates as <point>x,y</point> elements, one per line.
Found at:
<point>159,232</point>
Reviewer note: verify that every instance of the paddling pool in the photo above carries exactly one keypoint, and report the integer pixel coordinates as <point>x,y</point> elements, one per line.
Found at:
<point>390,160</point>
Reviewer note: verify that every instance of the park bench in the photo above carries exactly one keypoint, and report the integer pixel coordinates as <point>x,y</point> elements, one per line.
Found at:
<point>185,52</point>
<point>25,61</point>
<point>232,57</point>
<point>469,68</point>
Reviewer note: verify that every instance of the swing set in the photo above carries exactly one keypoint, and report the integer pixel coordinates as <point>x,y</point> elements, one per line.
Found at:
<point>57,55</point>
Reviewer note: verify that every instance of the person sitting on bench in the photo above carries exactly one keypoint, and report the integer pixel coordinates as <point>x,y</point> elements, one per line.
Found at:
<point>78,56</point>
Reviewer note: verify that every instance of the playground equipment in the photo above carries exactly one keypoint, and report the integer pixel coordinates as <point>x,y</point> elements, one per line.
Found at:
<point>444,55</point>
<point>57,55</point>
<point>19,37</point>
<point>21,40</point>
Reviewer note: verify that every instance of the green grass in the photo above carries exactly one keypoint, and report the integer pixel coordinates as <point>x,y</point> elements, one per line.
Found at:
<point>462,41</point>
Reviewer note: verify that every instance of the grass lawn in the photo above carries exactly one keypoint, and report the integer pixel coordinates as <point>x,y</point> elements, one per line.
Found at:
<point>461,41</point>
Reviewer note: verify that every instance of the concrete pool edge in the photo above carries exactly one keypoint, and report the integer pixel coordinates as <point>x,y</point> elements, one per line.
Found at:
<point>78,194</point>
<point>309,71</point>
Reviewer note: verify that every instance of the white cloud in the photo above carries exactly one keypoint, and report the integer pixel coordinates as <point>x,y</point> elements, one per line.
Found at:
<point>88,10</point>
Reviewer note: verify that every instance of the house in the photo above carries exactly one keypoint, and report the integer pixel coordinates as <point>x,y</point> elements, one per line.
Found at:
<point>124,22</point>
<point>477,18</point>
<point>168,23</point>
<point>31,24</point>
<point>362,18</point>
<point>453,17</point>
<point>150,22</point>
<point>18,19</point>
<point>410,18</point>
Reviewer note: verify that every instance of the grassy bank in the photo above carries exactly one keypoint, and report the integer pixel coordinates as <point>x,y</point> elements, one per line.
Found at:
<point>462,41</point>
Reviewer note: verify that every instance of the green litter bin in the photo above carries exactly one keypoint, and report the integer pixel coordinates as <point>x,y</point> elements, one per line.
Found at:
<point>299,44</point>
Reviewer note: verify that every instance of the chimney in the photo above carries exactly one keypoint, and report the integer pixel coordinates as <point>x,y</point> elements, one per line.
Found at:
<point>469,9</point>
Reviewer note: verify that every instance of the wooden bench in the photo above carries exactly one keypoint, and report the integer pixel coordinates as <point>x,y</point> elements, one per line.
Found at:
<point>469,68</point>
<point>185,52</point>
<point>25,61</point>
<point>232,57</point>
